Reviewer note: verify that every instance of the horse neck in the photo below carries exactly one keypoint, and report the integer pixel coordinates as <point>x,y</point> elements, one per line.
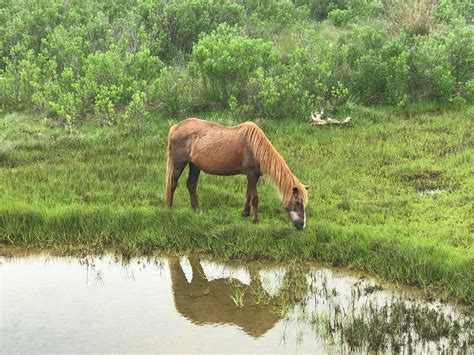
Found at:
<point>271,162</point>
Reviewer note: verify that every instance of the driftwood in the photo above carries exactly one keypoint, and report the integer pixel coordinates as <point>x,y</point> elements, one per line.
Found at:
<point>317,119</point>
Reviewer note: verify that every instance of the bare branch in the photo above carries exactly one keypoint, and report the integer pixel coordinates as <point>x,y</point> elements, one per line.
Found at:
<point>317,119</point>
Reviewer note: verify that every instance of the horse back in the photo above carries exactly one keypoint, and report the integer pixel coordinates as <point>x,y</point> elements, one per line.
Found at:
<point>213,148</point>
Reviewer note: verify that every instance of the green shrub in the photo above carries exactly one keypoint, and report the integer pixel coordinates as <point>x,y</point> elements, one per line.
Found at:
<point>276,13</point>
<point>66,48</point>
<point>136,110</point>
<point>20,82</point>
<point>340,17</point>
<point>295,89</point>
<point>59,96</point>
<point>459,51</point>
<point>454,11</point>
<point>398,77</point>
<point>186,20</point>
<point>319,9</point>
<point>358,65</point>
<point>264,97</point>
<point>430,75</point>
<point>71,59</point>
<point>226,59</point>
<point>175,91</point>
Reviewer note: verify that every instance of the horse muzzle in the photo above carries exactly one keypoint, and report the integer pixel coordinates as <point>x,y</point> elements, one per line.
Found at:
<point>298,224</point>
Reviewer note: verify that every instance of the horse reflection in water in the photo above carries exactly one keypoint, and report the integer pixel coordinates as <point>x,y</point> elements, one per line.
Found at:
<point>210,302</point>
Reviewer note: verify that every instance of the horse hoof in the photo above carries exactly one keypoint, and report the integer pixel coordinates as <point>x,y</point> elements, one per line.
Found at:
<point>244,214</point>
<point>256,221</point>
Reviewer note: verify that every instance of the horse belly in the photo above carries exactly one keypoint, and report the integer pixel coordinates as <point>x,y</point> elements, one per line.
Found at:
<point>220,157</point>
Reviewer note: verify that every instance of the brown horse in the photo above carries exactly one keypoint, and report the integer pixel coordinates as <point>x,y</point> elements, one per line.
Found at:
<point>242,149</point>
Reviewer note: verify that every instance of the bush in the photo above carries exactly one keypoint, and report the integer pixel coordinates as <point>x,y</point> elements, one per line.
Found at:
<point>340,17</point>
<point>295,89</point>
<point>319,9</point>
<point>460,55</point>
<point>60,96</point>
<point>74,59</point>
<point>264,97</point>
<point>136,110</point>
<point>322,9</point>
<point>273,12</point>
<point>357,63</point>
<point>398,79</point>
<point>19,82</point>
<point>454,11</point>
<point>430,71</point>
<point>226,59</point>
<point>175,91</point>
<point>186,20</point>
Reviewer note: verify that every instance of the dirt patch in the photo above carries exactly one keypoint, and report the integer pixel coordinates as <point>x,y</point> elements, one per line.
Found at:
<point>412,115</point>
<point>424,179</point>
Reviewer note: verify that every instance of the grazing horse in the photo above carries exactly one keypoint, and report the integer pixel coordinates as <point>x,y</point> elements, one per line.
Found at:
<point>242,149</point>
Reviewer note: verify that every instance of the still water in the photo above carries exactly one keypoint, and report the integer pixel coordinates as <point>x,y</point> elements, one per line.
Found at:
<point>197,305</point>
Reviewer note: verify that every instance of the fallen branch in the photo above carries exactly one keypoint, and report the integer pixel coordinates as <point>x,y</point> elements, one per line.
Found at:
<point>317,119</point>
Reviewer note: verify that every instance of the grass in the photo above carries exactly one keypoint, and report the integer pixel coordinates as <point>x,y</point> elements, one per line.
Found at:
<point>391,194</point>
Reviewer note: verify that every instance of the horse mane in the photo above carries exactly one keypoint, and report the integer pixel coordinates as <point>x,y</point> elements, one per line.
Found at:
<point>272,163</point>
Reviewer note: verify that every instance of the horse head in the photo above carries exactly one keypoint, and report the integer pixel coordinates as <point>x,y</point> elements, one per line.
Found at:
<point>295,206</point>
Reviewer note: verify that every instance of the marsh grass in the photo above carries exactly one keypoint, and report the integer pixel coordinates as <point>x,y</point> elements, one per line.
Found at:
<point>103,186</point>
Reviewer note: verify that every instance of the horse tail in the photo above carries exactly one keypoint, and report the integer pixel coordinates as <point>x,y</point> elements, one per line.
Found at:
<point>169,168</point>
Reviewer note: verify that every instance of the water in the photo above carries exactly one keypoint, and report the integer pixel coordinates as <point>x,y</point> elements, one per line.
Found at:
<point>191,304</point>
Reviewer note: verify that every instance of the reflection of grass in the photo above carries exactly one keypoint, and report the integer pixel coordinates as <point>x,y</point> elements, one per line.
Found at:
<point>259,295</point>
<point>238,297</point>
<point>99,186</point>
<point>376,322</point>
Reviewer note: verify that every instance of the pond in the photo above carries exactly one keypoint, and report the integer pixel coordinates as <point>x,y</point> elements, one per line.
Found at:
<point>196,304</point>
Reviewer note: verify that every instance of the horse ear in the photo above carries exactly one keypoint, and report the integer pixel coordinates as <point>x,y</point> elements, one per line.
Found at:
<point>307,187</point>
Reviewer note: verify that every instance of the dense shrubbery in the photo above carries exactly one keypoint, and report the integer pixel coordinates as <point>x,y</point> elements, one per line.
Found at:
<point>71,59</point>
<point>226,59</point>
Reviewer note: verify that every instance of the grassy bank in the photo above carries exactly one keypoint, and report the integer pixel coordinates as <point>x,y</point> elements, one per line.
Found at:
<point>391,194</point>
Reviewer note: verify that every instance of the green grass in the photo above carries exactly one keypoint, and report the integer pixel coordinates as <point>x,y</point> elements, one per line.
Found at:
<point>104,186</point>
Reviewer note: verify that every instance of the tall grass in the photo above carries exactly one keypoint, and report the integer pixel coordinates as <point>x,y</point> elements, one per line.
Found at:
<point>414,15</point>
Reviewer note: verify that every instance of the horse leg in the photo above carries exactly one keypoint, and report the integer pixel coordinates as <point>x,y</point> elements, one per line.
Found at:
<point>176,173</point>
<point>192,184</point>
<point>252,190</point>
<point>255,208</point>
<point>246,211</point>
